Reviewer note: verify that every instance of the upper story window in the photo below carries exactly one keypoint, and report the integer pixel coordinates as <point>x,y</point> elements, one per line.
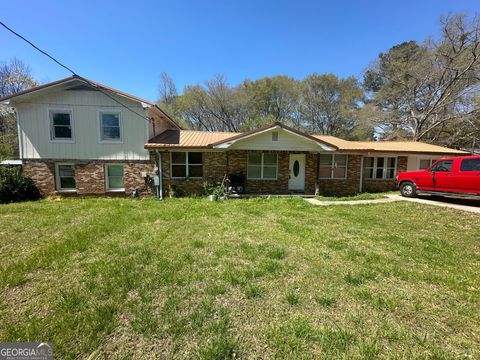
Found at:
<point>380,167</point>
<point>333,166</point>
<point>262,166</point>
<point>61,125</point>
<point>186,164</point>
<point>110,126</point>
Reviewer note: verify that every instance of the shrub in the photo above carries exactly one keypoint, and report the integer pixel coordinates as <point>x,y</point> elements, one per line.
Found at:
<point>214,188</point>
<point>15,187</point>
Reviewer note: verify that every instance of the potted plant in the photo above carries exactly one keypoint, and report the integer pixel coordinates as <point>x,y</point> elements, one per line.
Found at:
<point>214,190</point>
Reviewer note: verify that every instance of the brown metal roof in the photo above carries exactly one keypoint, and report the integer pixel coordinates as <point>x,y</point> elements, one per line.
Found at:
<point>342,144</point>
<point>409,147</point>
<point>187,139</point>
<point>208,139</point>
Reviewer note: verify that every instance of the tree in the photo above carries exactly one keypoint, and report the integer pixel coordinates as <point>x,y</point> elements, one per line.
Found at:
<point>271,99</point>
<point>167,90</point>
<point>329,104</point>
<point>15,76</point>
<point>214,107</point>
<point>425,89</point>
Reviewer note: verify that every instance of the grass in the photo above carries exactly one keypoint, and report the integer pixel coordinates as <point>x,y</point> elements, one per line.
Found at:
<point>360,196</point>
<point>258,278</point>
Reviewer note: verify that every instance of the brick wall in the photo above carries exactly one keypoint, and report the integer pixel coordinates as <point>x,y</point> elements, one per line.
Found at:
<point>90,175</point>
<point>379,185</point>
<point>214,168</point>
<point>216,164</point>
<point>343,187</point>
<point>238,161</point>
<point>42,173</point>
<point>133,177</point>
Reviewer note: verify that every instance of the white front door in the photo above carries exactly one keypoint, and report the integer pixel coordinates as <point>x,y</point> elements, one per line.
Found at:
<point>296,172</point>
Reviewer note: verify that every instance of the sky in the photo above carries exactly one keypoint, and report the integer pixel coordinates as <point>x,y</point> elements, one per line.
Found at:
<point>127,44</point>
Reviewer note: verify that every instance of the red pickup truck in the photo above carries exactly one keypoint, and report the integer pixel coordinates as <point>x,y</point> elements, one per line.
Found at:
<point>447,176</point>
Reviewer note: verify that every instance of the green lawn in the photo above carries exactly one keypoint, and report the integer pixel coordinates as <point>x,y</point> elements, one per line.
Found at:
<point>269,278</point>
<point>361,196</point>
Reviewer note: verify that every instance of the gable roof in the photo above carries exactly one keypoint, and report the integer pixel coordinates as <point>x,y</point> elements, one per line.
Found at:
<point>225,143</point>
<point>89,83</point>
<point>188,139</point>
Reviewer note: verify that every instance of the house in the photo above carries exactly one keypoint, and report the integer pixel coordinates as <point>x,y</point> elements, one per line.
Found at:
<point>79,136</point>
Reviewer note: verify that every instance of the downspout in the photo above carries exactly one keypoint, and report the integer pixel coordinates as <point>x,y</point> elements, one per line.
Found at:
<point>160,176</point>
<point>361,174</point>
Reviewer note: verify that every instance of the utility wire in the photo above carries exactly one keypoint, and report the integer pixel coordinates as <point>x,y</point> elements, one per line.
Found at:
<point>36,47</point>
<point>96,86</point>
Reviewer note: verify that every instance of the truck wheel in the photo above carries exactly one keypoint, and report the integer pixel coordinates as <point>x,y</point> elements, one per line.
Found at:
<point>408,189</point>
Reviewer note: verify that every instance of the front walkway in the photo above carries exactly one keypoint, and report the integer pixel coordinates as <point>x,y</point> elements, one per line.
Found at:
<point>447,202</point>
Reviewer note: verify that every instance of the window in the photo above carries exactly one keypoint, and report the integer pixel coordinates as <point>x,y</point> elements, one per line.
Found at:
<point>470,165</point>
<point>114,177</point>
<point>333,166</point>
<point>262,166</point>
<point>65,177</point>
<point>379,167</point>
<point>274,136</point>
<point>61,128</point>
<point>110,126</point>
<point>186,164</point>
<point>443,166</point>
<point>425,163</point>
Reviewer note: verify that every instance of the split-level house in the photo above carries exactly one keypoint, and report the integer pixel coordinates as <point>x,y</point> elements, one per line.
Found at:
<point>79,136</point>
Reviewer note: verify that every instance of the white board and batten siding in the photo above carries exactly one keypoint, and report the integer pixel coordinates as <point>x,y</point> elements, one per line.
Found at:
<point>34,126</point>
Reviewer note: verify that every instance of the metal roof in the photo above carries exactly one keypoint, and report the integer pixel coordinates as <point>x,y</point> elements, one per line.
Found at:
<point>211,139</point>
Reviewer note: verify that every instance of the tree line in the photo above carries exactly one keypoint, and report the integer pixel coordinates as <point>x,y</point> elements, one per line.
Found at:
<point>424,91</point>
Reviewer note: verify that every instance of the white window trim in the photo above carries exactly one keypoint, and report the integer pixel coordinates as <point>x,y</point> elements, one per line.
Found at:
<point>50,125</point>
<point>261,169</point>
<point>186,165</point>
<point>57,177</point>
<point>385,168</point>
<point>332,167</point>
<point>107,188</point>
<point>120,124</point>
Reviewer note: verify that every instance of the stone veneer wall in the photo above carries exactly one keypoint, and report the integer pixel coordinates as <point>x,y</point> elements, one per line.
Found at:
<point>380,185</point>
<point>90,175</point>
